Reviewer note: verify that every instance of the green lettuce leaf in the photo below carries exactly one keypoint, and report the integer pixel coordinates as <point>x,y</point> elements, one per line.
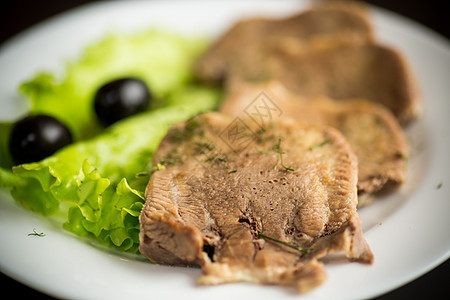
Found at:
<point>95,187</point>
<point>163,60</point>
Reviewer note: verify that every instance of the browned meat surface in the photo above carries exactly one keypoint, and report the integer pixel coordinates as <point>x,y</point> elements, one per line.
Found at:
<point>224,182</point>
<point>327,51</point>
<point>343,69</point>
<point>373,133</point>
<point>246,38</point>
<point>376,138</point>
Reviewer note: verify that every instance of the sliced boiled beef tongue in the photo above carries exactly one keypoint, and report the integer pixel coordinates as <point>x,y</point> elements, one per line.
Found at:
<point>371,130</point>
<point>327,50</point>
<point>235,198</point>
<point>248,37</point>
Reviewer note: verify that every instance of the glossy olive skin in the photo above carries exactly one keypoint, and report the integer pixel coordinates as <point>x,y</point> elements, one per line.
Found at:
<point>37,137</point>
<point>121,98</point>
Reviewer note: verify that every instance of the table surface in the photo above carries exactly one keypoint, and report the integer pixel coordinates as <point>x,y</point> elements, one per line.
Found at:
<point>16,16</point>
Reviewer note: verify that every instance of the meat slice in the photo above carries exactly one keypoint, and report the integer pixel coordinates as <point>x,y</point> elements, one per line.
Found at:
<point>376,138</point>
<point>327,51</point>
<point>371,130</point>
<point>247,38</point>
<point>228,195</point>
<point>344,68</point>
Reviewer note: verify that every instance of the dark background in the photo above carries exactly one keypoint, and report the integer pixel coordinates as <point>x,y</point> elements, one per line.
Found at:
<point>16,16</point>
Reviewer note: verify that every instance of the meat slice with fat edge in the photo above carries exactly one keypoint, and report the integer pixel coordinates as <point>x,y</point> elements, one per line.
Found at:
<point>371,130</point>
<point>227,191</point>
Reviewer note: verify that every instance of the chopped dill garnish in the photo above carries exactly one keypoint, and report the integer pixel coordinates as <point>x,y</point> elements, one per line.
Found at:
<point>233,171</point>
<point>203,148</point>
<point>171,158</point>
<point>158,166</point>
<point>321,144</point>
<point>187,132</point>
<point>277,149</point>
<point>220,159</point>
<point>259,133</point>
<point>35,233</point>
<point>287,168</point>
<point>439,186</point>
<point>302,250</point>
<point>216,158</point>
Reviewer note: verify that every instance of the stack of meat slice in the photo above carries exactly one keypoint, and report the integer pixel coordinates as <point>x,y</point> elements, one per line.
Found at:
<point>324,66</point>
<point>312,119</point>
<point>326,51</point>
<point>248,38</point>
<point>239,212</point>
<point>371,130</point>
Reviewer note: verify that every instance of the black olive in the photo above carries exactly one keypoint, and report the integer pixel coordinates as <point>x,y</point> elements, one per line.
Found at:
<point>36,137</point>
<point>121,98</point>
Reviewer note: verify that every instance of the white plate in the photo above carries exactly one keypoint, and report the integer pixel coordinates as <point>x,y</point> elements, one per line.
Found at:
<point>407,231</point>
